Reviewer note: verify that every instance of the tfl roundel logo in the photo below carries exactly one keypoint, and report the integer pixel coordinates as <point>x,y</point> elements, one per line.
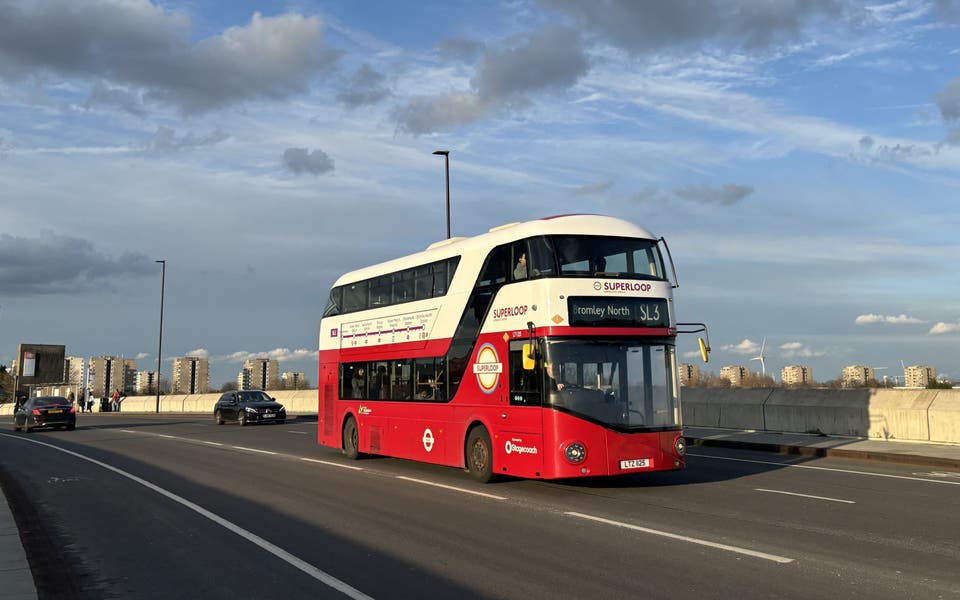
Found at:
<point>487,368</point>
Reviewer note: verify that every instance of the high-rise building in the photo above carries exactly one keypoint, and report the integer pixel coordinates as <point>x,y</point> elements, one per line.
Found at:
<point>259,374</point>
<point>796,375</point>
<point>689,374</point>
<point>108,373</point>
<point>147,383</point>
<point>191,375</point>
<point>735,374</point>
<point>857,376</point>
<point>73,371</point>
<point>919,376</point>
<point>293,380</point>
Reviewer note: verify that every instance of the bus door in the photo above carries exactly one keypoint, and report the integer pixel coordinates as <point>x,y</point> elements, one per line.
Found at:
<point>519,445</point>
<point>328,392</point>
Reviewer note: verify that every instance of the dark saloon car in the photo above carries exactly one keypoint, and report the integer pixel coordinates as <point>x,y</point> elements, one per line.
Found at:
<point>248,406</point>
<point>46,411</point>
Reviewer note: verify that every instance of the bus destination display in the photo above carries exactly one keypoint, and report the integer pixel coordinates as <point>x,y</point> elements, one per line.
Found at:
<point>618,312</point>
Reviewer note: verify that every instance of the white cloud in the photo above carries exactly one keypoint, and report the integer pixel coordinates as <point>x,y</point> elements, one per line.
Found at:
<point>142,355</point>
<point>943,328</point>
<point>901,319</point>
<point>799,350</point>
<point>746,347</point>
<point>279,354</point>
<point>199,353</point>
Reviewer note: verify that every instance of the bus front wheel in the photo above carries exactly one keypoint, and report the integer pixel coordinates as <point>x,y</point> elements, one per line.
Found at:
<point>479,455</point>
<point>351,439</point>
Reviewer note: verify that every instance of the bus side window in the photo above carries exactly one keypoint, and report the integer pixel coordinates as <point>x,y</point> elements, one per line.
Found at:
<point>495,269</point>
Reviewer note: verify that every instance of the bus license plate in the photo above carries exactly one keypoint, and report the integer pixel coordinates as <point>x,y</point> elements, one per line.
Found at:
<point>636,463</point>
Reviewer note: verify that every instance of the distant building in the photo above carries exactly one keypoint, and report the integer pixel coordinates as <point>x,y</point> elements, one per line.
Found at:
<point>919,376</point>
<point>689,374</point>
<point>147,382</point>
<point>108,373</point>
<point>191,375</point>
<point>735,374</point>
<point>73,371</point>
<point>857,376</point>
<point>292,380</point>
<point>796,375</point>
<point>259,374</point>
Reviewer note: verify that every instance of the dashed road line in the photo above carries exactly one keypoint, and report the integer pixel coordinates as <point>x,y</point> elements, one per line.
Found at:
<point>684,538</point>
<point>804,495</point>
<point>450,487</point>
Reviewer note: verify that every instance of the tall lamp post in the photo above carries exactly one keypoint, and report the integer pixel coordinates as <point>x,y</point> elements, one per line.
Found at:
<point>446,162</point>
<point>163,280</point>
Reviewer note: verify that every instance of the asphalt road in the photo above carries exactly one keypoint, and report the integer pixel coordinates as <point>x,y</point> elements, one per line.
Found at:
<point>166,506</point>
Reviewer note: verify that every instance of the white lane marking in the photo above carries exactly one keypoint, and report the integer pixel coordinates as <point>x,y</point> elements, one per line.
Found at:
<point>172,437</point>
<point>299,432</point>
<point>254,450</point>
<point>868,473</point>
<point>941,474</point>
<point>450,487</point>
<point>683,538</point>
<point>804,495</point>
<point>277,551</point>
<point>212,443</point>
<point>332,464</point>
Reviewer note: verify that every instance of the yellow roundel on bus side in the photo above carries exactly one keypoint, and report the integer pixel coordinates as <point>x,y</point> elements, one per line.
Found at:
<point>487,368</point>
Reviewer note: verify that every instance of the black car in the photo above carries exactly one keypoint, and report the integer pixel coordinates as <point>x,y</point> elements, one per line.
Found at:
<point>248,406</point>
<point>45,411</point>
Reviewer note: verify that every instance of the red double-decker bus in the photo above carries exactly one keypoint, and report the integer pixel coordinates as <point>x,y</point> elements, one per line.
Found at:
<point>543,349</point>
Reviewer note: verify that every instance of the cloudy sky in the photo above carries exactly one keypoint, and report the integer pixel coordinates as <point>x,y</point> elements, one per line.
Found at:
<point>802,158</point>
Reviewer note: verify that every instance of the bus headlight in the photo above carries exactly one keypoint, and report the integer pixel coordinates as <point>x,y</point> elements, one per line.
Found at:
<point>575,453</point>
<point>680,446</point>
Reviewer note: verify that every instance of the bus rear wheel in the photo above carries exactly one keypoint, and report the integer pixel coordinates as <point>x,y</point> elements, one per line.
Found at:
<point>479,455</point>
<point>351,439</point>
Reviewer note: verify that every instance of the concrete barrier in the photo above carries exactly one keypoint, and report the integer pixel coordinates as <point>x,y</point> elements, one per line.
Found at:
<point>944,417</point>
<point>889,414</point>
<point>718,407</point>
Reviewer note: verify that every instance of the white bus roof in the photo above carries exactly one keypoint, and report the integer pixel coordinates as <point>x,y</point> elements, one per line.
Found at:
<point>502,234</point>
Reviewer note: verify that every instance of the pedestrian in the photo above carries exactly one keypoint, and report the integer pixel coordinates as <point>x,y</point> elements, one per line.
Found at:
<point>115,400</point>
<point>71,398</point>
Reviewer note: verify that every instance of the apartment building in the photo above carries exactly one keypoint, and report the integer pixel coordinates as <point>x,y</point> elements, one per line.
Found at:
<point>191,375</point>
<point>919,376</point>
<point>689,374</point>
<point>293,380</point>
<point>735,374</point>
<point>147,382</point>
<point>857,376</point>
<point>108,373</point>
<point>73,367</point>
<point>796,375</point>
<point>259,374</point>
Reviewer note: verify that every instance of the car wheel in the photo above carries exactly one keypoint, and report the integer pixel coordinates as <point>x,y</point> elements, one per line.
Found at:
<point>219,417</point>
<point>242,419</point>
<point>351,439</point>
<point>479,455</point>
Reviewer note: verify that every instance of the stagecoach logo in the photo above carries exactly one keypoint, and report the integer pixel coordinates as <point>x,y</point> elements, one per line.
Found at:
<point>427,440</point>
<point>364,410</point>
<point>487,368</point>
<point>512,447</point>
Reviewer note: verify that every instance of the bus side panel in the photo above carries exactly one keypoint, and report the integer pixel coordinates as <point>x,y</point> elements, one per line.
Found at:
<point>328,430</point>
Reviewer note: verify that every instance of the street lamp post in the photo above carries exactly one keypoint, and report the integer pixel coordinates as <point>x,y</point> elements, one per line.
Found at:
<point>446,162</point>
<point>163,280</point>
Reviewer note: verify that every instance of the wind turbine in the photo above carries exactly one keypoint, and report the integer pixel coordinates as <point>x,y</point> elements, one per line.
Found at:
<point>761,357</point>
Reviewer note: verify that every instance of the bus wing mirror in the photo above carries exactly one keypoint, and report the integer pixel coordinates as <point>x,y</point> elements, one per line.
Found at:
<point>704,350</point>
<point>529,357</point>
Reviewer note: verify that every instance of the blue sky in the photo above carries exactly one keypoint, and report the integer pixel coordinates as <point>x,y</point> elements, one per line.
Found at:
<point>802,158</point>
